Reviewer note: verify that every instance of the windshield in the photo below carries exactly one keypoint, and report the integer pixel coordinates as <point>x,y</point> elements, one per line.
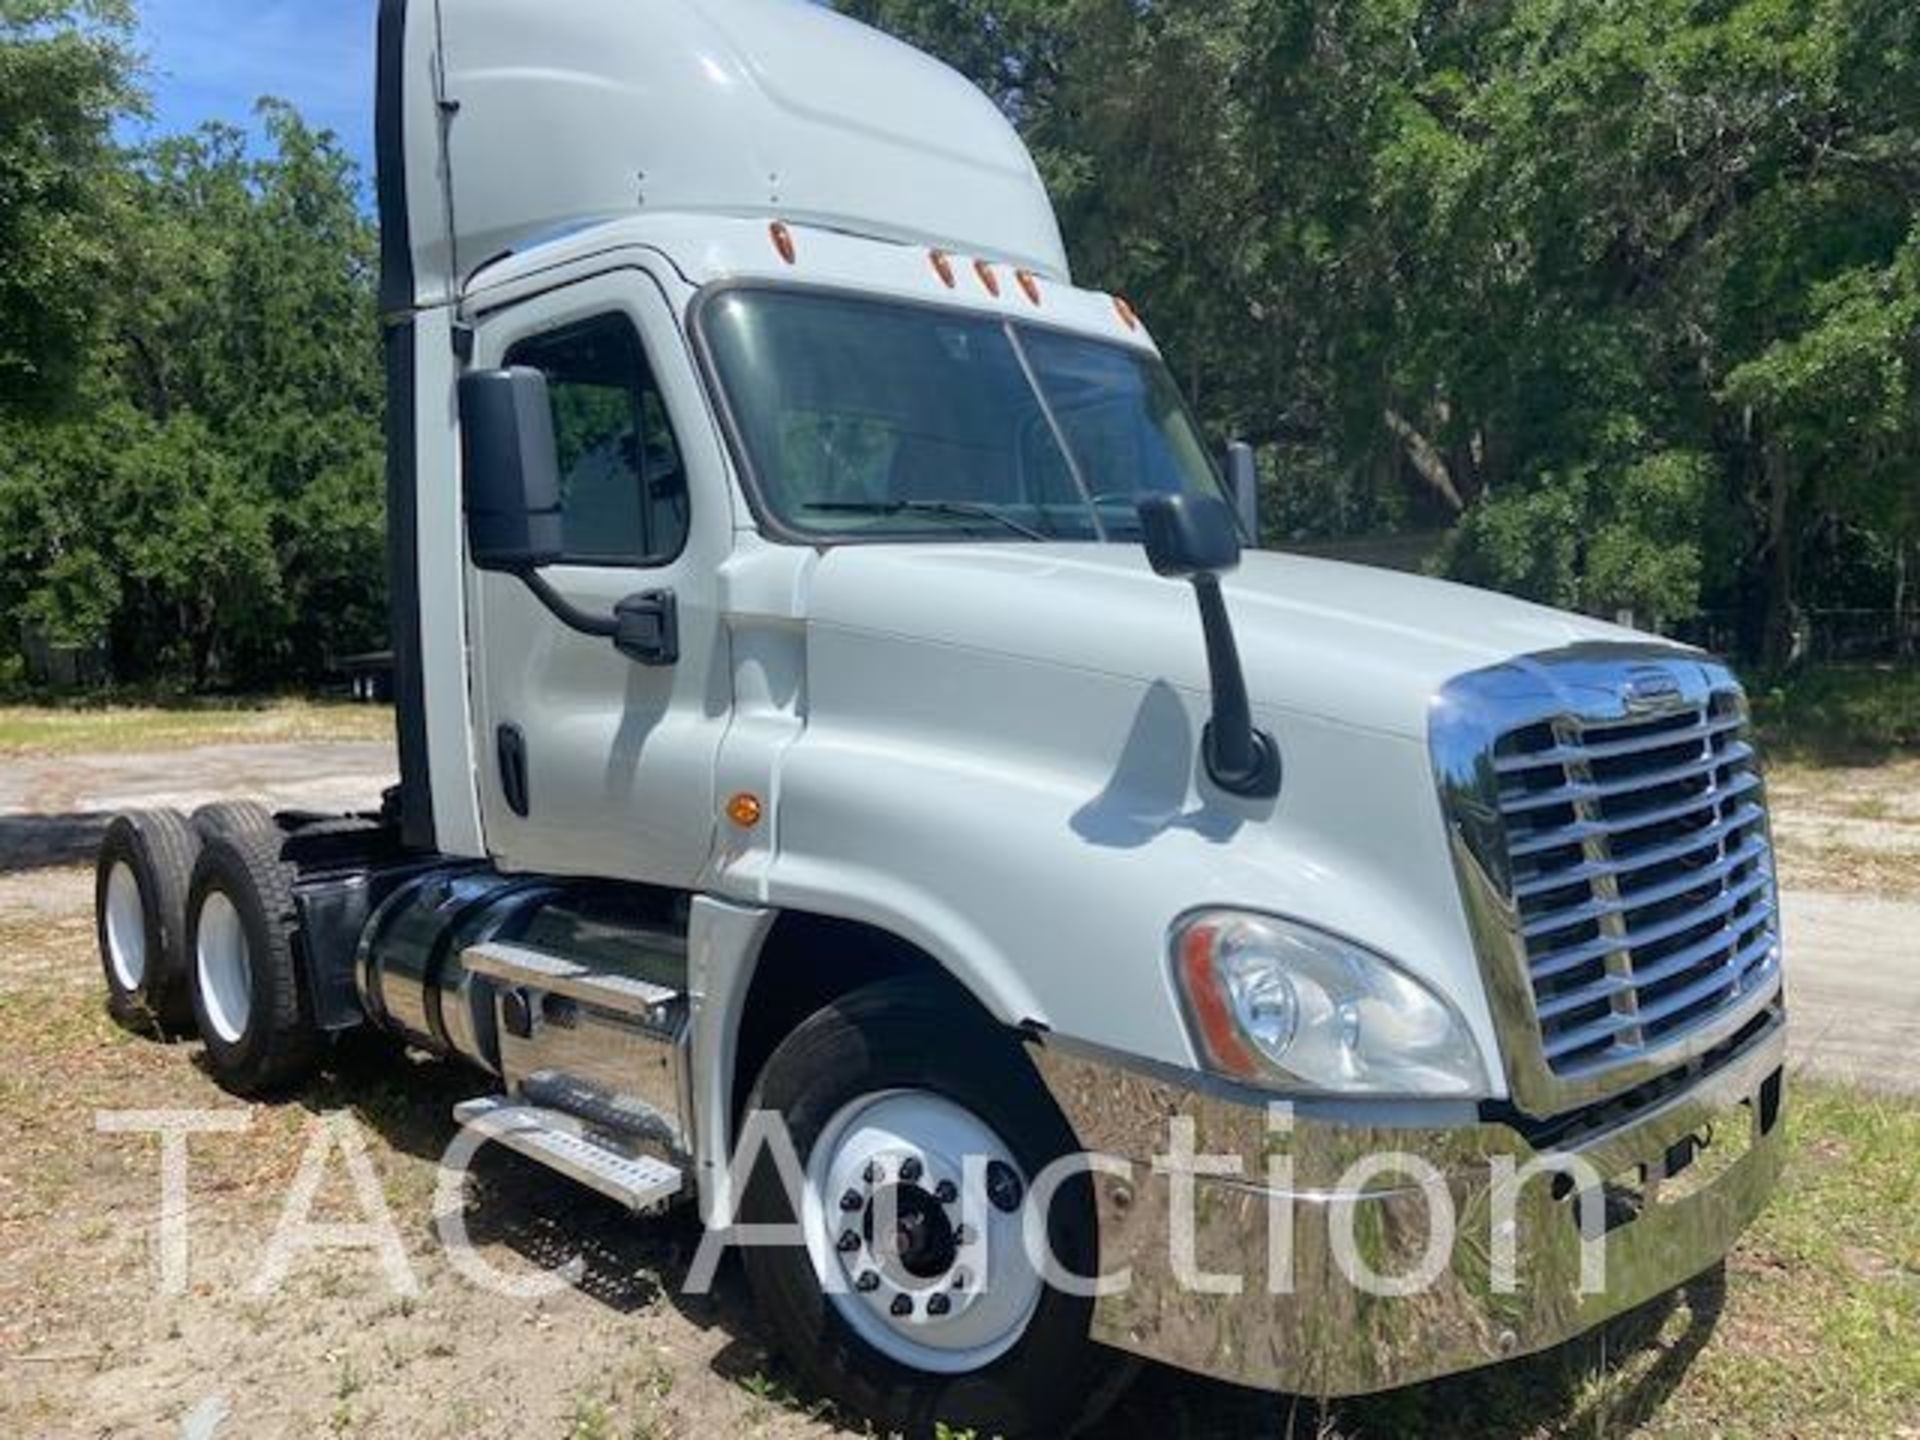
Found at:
<point>867,419</point>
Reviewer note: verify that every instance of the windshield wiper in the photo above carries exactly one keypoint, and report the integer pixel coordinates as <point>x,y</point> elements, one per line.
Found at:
<point>960,509</point>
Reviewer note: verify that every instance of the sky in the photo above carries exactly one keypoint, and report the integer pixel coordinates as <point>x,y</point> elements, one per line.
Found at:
<point>211,59</point>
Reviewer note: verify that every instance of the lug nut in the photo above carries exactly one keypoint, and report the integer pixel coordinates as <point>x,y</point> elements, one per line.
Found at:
<point>910,1171</point>
<point>867,1283</point>
<point>946,1192</point>
<point>939,1306</point>
<point>961,1279</point>
<point>849,1243</point>
<point>873,1174</point>
<point>1003,1187</point>
<point>853,1202</point>
<point>902,1306</point>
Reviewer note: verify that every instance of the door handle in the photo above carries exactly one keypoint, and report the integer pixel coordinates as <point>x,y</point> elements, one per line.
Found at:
<point>647,628</point>
<point>511,746</point>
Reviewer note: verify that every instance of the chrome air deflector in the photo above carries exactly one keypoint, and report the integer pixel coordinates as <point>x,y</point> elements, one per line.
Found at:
<point>1609,828</point>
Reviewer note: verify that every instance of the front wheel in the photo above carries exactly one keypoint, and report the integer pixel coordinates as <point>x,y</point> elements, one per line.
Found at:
<point>921,1134</point>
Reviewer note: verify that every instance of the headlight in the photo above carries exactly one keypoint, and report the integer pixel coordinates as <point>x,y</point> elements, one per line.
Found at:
<point>1283,1005</point>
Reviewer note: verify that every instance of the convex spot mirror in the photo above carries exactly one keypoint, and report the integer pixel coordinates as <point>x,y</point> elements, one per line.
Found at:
<point>512,470</point>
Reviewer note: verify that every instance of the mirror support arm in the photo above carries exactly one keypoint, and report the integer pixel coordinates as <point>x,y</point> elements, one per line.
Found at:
<point>601,627</point>
<point>643,627</point>
<point>1241,760</point>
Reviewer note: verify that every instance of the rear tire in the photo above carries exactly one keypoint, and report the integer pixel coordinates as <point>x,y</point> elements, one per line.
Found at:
<point>140,887</point>
<point>889,1076</point>
<point>254,1012</point>
<point>224,817</point>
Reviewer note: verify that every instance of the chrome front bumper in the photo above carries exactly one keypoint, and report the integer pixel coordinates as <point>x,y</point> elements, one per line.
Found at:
<point>1317,1331</point>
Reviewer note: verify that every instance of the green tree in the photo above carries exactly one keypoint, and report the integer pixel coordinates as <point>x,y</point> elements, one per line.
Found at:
<point>65,73</point>
<point>212,505</point>
<point>1617,288</point>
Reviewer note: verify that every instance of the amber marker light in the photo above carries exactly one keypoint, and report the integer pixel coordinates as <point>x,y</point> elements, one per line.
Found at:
<point>942,266</point>
<point>988,277</point>
<point>783,240</point>
<point>745,810</point>
<point>1215,1022</point>
<point>1127,315</point>
<point>1030,283</point>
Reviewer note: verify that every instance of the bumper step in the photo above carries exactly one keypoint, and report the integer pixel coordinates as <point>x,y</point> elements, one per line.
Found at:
<point>641,1183</point>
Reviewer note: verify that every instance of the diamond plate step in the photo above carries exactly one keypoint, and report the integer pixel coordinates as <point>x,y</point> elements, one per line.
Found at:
<point>557,975</point>
<point>639,1182</point>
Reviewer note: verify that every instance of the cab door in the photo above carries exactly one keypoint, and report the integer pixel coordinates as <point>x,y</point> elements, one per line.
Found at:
<point>593,761</point>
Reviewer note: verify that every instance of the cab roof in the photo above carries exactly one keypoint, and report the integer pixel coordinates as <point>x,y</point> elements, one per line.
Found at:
<point>504,122</point>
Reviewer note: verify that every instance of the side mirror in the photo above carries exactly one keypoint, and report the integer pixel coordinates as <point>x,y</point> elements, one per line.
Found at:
<point>1189,535</point>
<point>1243,483</point>
<point>512,470</point>
<point>1196,538</point>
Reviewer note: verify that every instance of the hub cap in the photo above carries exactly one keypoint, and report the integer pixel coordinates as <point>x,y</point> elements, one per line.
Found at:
<point>126,928</point>
<point>226,979</point>
<point>923,1254</point>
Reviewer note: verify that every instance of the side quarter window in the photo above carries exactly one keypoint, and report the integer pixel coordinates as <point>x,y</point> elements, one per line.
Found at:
<point>623,488</point>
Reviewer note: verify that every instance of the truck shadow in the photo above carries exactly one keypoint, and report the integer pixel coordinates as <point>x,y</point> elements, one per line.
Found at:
<point>1603,1383</point>
<point>37,842</point>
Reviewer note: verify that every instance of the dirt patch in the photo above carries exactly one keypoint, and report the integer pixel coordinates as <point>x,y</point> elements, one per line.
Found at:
<point>1848,831</point>
<point>53,809</point>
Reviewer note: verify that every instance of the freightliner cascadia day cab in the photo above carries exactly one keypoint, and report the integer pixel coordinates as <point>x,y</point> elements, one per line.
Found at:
<point>831,692</point>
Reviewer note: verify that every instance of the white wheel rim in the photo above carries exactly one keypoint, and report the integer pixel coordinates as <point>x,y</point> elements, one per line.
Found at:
<point>220,958</point>
<point>958,1302</point>
<point>126,927</point>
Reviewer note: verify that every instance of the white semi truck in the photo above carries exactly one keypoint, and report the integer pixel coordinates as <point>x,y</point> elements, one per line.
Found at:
<point>830,687</point>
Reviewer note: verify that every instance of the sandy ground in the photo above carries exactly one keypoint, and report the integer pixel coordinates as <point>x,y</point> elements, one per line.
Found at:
<point>89,1344</point>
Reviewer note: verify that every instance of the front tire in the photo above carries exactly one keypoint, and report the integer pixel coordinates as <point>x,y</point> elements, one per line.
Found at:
<point>254,1013</point>
<point>885,1094</point>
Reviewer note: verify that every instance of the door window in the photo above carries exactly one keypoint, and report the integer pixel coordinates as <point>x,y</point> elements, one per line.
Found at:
<point>623,487</point>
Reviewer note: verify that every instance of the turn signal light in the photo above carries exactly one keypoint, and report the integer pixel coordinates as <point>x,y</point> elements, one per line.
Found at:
<point>782,240</point>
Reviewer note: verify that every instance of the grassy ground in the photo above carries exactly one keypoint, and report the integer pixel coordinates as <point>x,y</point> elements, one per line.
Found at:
<point>79,729</point>
<point>1813,1329</point>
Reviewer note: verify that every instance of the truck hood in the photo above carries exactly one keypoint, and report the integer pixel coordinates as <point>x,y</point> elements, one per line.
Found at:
<point>1347,643</point>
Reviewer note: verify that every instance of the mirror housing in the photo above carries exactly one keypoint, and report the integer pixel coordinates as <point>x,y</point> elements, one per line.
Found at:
<point>1243,483</point>
<point>1189,535</point>
<point>512,470</point>
<point>1197,538</point>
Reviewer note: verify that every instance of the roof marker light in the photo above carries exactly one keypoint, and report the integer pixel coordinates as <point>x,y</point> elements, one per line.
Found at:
<point>942,266</point>
<point>987,277</point>
<point>783,240</point>
<point>1127,314</point>
<point>1030,283</point>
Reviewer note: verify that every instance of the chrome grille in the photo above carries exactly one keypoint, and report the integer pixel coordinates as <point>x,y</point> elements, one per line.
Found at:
<point>1639,873</point>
